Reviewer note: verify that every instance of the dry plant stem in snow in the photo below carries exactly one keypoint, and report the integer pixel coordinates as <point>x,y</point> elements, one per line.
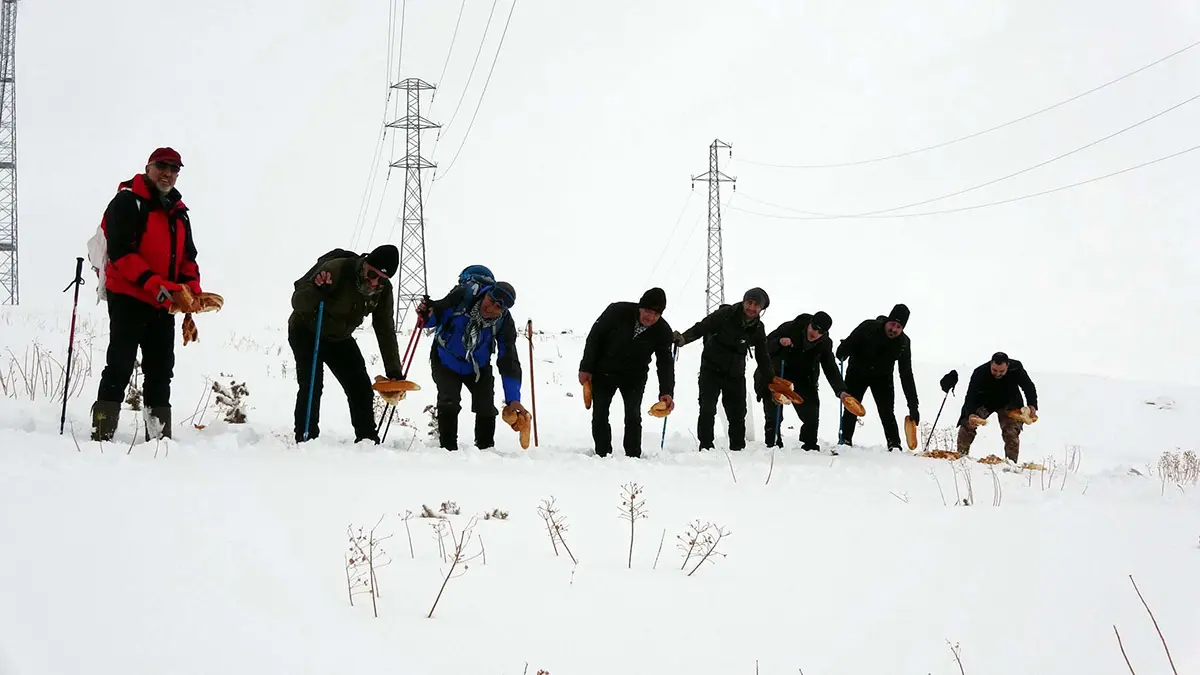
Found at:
<point>1156,628</point>
<point>955,649</point>
<point>406,517</point>
<point>459,558</point>
<point>365,556</point>
<point>770,470</point>
<point>708,545</point>
<point>996,492</point>
<point>730,460</point>
<point>556,524</point>
<point>633,509</point>
<point>933,474</point>
<point>660,544</point>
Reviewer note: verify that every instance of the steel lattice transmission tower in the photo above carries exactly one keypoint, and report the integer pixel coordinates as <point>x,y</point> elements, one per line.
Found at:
<point>9,291</point>
<point>715,289</point>
<point>412,283</point>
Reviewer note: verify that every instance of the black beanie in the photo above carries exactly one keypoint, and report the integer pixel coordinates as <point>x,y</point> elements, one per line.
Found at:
<point>758,295</point>
<point>386,259</point>
<point>655,299</point>
<point>899,315</point>
<point>821,321</point>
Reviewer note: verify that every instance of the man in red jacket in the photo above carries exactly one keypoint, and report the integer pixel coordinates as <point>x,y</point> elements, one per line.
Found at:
<point>151,256</point>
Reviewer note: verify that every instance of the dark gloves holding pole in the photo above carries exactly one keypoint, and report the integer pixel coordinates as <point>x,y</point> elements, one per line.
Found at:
<point>949,381</point>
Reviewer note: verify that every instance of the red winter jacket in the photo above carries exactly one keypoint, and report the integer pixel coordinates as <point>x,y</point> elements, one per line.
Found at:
<point>149,241</point>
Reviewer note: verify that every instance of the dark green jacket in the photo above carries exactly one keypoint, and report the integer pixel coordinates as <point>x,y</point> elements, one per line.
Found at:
<point>345,308</point>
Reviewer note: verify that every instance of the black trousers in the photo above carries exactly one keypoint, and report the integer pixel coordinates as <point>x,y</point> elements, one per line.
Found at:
<point>730,388</point>
<point>346,362</point>
<point>133,324</point>
<point>883,390</point>
<point>808,412</point>
<point>604,388</point>
<point>449,403</point>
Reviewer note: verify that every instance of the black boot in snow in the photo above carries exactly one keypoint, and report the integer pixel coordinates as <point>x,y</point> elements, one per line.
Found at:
<point>158,422</point>
<point>105,416</point>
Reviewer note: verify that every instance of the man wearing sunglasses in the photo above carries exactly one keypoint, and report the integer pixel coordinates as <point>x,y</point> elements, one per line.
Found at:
<point>352,286</point>
<point>148,256</point>
<point>798,349</point>
<point>468,330</point>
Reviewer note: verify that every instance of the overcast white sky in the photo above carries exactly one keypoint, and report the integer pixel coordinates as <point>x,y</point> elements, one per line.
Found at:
<point>597,115</point>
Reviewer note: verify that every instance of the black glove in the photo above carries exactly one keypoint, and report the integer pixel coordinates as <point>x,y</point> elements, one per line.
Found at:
<point>949,381</point>
<point>916,417</point>
<point>677,338</point>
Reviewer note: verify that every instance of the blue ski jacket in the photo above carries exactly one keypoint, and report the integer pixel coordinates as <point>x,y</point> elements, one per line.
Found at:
<point>451,323</point>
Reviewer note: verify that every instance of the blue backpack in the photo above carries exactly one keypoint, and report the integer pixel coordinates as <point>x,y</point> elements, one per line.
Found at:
<point>473,280</point>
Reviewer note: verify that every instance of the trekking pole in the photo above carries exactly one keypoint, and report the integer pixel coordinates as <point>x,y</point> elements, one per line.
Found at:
<point>77,282</point>
<point>312,378</point>
<point>779,408</point>
<point>935,421</point>
<point>532,389</point>
<point>842,416</point>
<point>405,364</point>
<point>674,358</point>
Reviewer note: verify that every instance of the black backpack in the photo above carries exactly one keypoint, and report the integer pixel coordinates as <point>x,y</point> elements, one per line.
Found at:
<point>331,255</point>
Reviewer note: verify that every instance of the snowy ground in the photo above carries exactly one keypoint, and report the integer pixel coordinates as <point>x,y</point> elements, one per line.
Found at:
<point>223,551</point>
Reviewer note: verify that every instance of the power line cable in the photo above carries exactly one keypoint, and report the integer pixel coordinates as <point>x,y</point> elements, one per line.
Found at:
<point>1001,178</point>
<point>483,93</point>
<point>373,172</point>
<point>985,205</point>
<point>977,133</point>
<point>450,51</point>
<point>671,237</point>
<point>388,178</point>
<point>471,74</point>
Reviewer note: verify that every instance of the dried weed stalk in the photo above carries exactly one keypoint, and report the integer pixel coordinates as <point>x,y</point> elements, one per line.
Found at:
<point>633,509</point>
<point>556,524</point>
<point>700,540</point>
<point>365,556</point>
<point>459,558</point>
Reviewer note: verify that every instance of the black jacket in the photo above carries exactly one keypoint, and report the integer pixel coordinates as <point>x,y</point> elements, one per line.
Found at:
<point>612,350</point>
<point>728,337</point>
<point>802,361</point>
<point>998,394</point>
<point>874,354</point>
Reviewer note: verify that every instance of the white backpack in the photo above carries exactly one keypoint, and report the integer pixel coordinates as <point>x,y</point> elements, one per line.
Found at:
<point>97,248</point>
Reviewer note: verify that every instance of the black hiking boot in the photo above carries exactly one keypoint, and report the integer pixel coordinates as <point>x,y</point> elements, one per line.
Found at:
<point>105,416</point>
<point>158,421</point>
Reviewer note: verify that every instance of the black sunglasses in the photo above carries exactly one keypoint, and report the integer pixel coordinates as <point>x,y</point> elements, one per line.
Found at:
<point>163,166</point>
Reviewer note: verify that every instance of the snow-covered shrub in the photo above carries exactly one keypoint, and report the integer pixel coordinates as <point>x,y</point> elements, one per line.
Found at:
<point>231,399</point>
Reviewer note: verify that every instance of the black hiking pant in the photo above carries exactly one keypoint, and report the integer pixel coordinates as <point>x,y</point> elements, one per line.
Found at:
<point>731,389</point>
<point>883,390</point>
<point>133,324</point>
<point>346,362</point>
<point>808,412</point>
<point>449,403</point>
<point>604,388</point>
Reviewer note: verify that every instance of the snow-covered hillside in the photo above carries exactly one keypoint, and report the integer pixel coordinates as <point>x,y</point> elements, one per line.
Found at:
<point>224,550</point>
